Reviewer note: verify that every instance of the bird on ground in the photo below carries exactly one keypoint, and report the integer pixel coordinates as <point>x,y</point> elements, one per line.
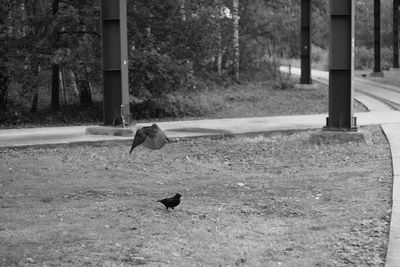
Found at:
<point>171,202</point>
<point>151,137</point>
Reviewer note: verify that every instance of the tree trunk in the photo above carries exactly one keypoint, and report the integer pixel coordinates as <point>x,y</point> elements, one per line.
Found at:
<point>35,100</point>
<point>219,55</point>
<point>55,88</point>
<point>63,86</point>
<point>3,91</point>
<point>235,18</point>
<point>35,88</point>
<point>85,92</point>
<point>218,58</point>
<point>182,10</point>
<point>55,84</point>
<point>72,81</point>
<point>84,87</point>
<point>55,6</point>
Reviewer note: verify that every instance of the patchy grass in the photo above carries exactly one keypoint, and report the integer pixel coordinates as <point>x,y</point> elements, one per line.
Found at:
<point>249,99</point>
<point>244,100</point>
<point>74,114</point>
<point>267,201</point>
<point>261,99</point>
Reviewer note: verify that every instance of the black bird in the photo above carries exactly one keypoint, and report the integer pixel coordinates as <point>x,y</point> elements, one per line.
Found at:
<point>171,202</point>
<point>150,136</point>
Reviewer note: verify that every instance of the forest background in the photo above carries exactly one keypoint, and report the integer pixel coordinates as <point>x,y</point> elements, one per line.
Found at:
<point>182,53</point>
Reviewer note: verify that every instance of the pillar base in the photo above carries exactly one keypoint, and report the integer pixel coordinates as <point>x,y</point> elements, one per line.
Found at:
<point>340,137</point>
<point>376,74</point>
<point>304,86</point>
<point>109,130</point>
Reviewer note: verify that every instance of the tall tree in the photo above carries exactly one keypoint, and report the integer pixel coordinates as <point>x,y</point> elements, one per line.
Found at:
<point>235,19</point>
<point>4,80</point>
<point>55,87</point>
<point>33,46</point>
<point>55,84</point>
<point>182,10</point>
<point>4,75</point>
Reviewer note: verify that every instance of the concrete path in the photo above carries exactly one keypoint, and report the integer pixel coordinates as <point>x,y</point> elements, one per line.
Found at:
<point>52,136</point>
<point>392,132</point>
<point>380,113</point>
<point>366,91</point>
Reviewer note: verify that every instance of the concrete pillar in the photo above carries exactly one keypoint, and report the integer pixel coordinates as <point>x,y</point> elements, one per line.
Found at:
<point>341,66</point>
<point>395,33</point>
<point>305,40</point>
<point>377,36</point>
<point>115,62</point>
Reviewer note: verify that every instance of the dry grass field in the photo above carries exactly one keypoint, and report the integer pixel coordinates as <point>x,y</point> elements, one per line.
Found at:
<point>274,200</point>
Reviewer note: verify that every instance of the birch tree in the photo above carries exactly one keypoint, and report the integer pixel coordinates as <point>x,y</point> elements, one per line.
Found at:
<point>235,19</point>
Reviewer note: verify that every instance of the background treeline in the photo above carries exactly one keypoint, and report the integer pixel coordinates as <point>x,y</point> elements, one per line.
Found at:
<point>50,51</point>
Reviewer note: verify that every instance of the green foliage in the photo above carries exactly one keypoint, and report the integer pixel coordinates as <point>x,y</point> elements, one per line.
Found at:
<point>319,58</point>
<point>34,36</point>
<point>154,75</point>
<point>174,45</point>
<point>73,114</point>
<point>364,23</point>
<point>364,58</point>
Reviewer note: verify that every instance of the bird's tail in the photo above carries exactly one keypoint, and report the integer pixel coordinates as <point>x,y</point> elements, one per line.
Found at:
<point>132,147</point>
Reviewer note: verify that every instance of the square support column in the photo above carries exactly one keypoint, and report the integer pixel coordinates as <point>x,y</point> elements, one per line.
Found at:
<point>341,66</point>
<point>377,36</point>
<point>395,33</point>
<point>305,42</point>
<point>115,62</point>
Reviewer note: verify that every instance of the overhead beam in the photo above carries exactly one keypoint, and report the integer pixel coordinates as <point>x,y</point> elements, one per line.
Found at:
<point>341,66</point>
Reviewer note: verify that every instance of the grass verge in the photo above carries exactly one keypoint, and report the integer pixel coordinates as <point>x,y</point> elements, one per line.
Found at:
<point>256,99</point>
<point>391,77</point>
<point>265,201</point>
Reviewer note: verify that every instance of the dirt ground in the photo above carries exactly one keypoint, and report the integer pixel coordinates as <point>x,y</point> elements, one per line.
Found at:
<point>254,201</point>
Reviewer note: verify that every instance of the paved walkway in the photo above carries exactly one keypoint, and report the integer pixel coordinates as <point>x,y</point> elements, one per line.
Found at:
<point>50,136</point>
<point>380,113</point>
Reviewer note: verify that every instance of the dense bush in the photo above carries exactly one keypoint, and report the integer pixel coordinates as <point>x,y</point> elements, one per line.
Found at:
<point>153,74</point>
<point>319,58</point>
<point>364,58</point>
<point>175,47</point>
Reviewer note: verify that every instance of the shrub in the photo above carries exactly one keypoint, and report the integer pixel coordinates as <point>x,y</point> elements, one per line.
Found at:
<point>319,58</point>
<point>386,58</point>
<point>171,106</point>
<point>364,58</point>
<point>153,74</point>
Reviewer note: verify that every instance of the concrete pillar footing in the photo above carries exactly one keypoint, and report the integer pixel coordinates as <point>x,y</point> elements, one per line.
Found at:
<point>109,130</point>
<point>340,137</point>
